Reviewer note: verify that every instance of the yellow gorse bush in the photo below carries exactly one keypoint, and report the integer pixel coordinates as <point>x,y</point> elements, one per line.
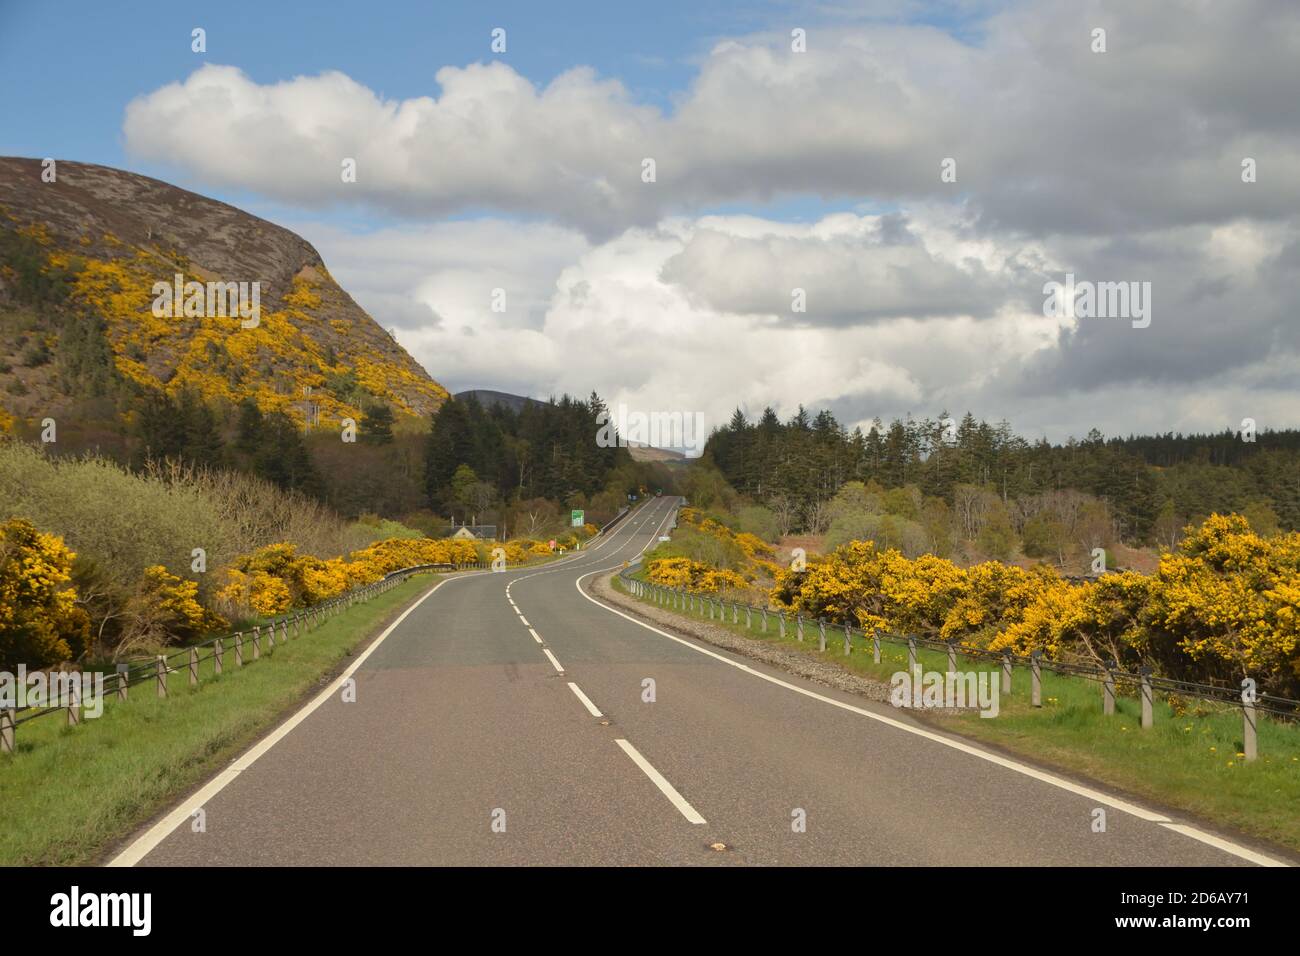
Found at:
<point>1225,606</point>
<point>695,576</point>
<point>758,553</point>
<point>275,579</point>
<point>40,622</point>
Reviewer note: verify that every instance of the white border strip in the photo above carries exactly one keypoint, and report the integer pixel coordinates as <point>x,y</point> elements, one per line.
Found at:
<point>586,701</point>
<point>145,844</point>
<point>669,791</point>
<point>1115,803</point>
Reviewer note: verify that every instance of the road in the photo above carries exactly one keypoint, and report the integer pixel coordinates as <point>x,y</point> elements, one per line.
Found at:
<point>504,720</point>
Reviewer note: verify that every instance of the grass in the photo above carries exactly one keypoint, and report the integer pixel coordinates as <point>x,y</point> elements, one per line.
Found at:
<point>70,792</point>
<point>1189,762</point>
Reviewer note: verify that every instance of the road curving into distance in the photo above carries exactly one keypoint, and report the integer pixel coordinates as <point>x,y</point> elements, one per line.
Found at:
<point>505,718</point>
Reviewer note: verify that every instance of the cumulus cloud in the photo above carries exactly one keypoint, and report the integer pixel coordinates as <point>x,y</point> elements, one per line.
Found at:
<point>845,270</point>
<point>1122,166</point>
<point>1048,135</point>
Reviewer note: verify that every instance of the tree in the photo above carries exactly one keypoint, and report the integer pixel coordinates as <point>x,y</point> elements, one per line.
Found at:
<point>1045,536</point>
<point>996,536</point>
<point>760,521</point>
<point>377,424</point>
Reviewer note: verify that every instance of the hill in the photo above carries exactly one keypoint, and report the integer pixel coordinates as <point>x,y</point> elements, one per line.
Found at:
<point>489,398</point>
<point>79,259</point>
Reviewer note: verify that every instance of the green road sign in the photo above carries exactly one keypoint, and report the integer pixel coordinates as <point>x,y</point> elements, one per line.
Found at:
<point>579,518</point>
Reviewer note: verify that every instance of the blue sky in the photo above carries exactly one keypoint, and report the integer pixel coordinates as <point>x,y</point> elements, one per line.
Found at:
<point>780,169</point>
<point>127,49</point>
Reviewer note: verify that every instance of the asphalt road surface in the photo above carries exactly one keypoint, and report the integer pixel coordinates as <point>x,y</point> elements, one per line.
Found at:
<point>504,720</point>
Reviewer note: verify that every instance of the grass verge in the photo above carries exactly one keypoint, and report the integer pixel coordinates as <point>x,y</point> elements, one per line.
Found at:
<point>1189,760</point>
<point>70,792</point>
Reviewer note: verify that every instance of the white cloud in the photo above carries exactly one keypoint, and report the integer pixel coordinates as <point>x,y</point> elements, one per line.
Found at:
<point>1048,136</point>
<point>1122,166</point>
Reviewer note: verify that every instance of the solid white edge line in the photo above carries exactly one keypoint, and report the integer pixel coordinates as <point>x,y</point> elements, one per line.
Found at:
<point>1222,844</point>
<point>145,844</point>
<point>1115,803</point>
<point>586,701</point>
<point>551,657</point>
<point>685,809</point>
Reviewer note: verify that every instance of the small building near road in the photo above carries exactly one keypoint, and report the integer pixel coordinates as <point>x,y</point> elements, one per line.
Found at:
<point>472,532</point>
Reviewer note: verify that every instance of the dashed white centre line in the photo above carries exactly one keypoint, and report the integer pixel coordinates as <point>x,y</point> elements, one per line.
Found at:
<point>551,657</point>
<point>586,701</point>
<point>669,791</point>
<point>537,637</point>
<point>524,619</point>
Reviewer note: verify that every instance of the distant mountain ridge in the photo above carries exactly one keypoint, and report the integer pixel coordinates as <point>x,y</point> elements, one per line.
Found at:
<point>490,398</point>
<point>109,235</point>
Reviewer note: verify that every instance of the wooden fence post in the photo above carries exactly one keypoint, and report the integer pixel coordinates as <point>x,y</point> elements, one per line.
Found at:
<point>848,640</point>
<point>911,655</point>
<point>821,634</point>
<point>74,702</point>
<point>218,649</point>
<point>7,729</point>
<point>798,620</point>
<point>1036,686</point>
<point>123,680</point>
<point>952,656</point>
<point>257,642</point>
<point>239,649</point>
<point>1250,732</point>
<point>160,675</point>
<point>1148,718</point>
<point>875,645</point>
<point>194,667</point>
<point>1108,691</point>
<point>1006,672</point>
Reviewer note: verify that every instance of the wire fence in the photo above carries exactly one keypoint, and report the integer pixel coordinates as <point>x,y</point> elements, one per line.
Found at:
<point>239,648</point>
<point>1111,679</point>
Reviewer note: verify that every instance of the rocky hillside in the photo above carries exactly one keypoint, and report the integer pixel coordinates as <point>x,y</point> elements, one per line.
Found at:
<point>93,243</point>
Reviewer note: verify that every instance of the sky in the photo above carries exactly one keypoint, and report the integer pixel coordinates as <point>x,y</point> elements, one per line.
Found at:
<point>854,206</point>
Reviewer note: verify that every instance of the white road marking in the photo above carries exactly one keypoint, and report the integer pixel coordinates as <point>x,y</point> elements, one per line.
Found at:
<point>669,791</point>
<point>551,657</point>
<point>1116,803</point>
<point>537,637</point>
<point>145,844</point>
<point>1224,845</point>
<point>586,701</point>
<point>523,620</point>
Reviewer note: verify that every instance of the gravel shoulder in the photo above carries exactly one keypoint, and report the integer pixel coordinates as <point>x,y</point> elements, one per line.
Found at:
<point>801,665</point>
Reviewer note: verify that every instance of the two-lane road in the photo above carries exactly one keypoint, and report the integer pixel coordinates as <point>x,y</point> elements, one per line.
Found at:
<point>507,719</point>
